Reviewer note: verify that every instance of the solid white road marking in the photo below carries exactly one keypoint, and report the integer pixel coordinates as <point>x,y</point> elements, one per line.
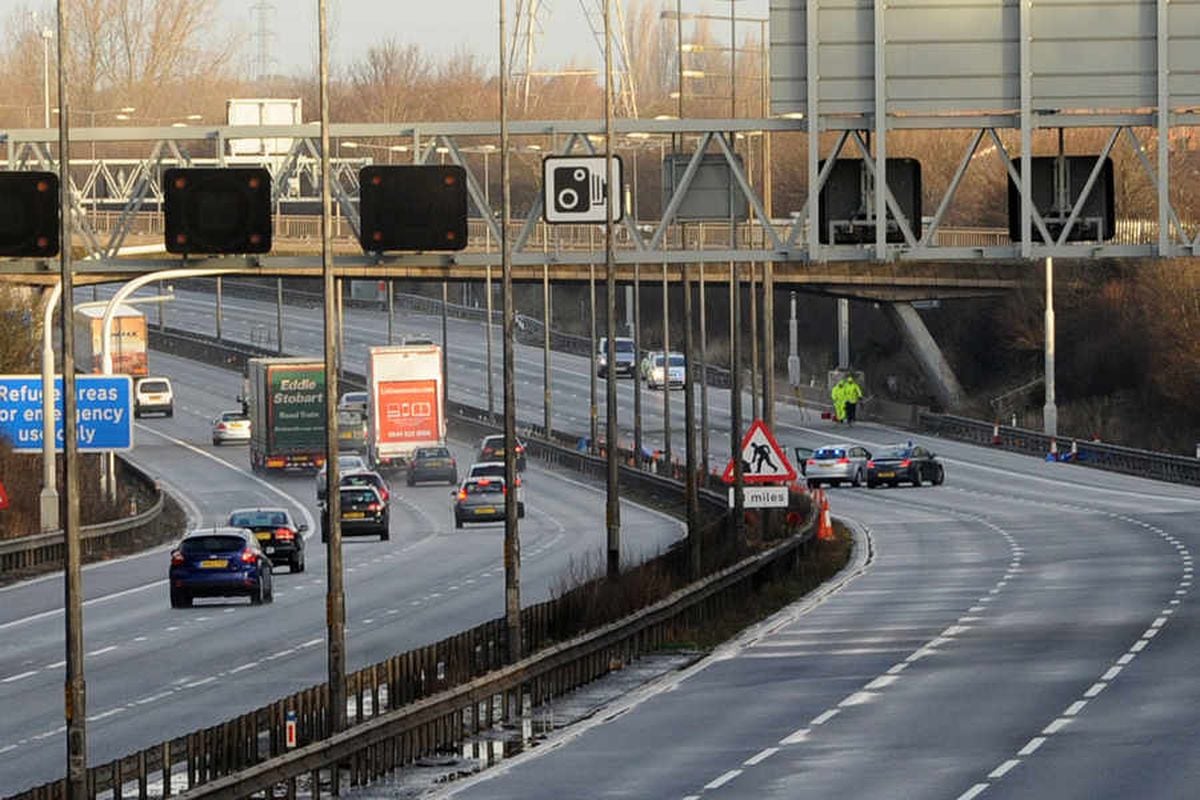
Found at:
<point>102,651</point>
<point>22,676</point>
<point>243,668</point>
<point>200,682</point>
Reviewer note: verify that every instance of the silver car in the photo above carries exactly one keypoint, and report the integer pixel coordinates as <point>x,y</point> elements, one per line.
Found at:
<point>837,463</point>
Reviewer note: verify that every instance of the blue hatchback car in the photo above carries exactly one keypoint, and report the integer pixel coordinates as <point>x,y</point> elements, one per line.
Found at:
<point>220,562</point>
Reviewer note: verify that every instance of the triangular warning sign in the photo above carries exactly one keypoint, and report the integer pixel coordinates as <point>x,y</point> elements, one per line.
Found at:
<point>763,460</point>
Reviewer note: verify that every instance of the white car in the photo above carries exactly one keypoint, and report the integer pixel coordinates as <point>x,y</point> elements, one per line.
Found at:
<point>230,426</point>
<point>153,396</point>
<point>659,371</point>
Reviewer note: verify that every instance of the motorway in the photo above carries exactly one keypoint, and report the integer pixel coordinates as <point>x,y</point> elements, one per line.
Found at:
<point>154,672</point>
<point>1022,631</point>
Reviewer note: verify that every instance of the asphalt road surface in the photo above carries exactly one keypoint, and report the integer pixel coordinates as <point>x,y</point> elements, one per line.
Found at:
<point>154,672</point>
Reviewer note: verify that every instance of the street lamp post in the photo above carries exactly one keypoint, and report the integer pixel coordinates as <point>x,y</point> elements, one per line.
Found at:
<point>47,34</point>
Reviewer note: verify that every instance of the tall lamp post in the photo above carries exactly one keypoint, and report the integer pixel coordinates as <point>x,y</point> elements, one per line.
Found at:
<point>47,34</point>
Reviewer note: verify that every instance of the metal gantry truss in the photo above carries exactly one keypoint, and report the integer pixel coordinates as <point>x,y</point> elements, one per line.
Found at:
<point>666,240</point>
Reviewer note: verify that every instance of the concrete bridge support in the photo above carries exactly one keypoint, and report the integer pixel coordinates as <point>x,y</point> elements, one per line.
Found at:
<point>934,367</point>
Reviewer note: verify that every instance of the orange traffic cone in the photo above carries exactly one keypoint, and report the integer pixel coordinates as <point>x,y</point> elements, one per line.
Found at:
<point>825,526</point>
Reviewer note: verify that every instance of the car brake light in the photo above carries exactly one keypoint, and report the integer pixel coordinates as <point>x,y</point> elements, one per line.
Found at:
<point>384,493</point>
<point>520,448</point>
<point>843,461</point>
<point>518,481</point>
<point>812,462</point>
<point>906,462</point>
<point>220,426</point>
<point>462,494</point>
<point>484,481</point>
<point>373,507</point>
<point>176,558</point>
<point>503,490</point>
<point>248,556</point>
<point>870,464</point>
<point>284,534</point>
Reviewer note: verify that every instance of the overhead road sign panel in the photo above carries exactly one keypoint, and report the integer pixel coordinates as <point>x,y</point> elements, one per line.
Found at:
<point>104,412</point>
<point>418,207</point>
<point>217,211</point>
<point>763,460</point>
<point>576,191</point>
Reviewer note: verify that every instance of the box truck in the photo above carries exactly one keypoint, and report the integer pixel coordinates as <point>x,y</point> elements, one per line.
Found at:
<point>127,341</point>
<point>404,409</point>
<point>286,404</point>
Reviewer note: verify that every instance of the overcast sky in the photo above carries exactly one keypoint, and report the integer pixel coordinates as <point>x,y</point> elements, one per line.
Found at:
<point>440,27</point>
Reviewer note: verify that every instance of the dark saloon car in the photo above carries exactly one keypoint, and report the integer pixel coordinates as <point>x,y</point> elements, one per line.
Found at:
<point>480,500</point>
<point>432,464</point>
<point>364,513</point>
<point>904,463</point>
<point>491,448</point>
<point>219,562</point>
<point>278,535</point>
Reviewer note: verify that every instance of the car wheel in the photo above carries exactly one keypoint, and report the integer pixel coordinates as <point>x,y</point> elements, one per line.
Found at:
<point>171,411</point>
<point>858,479</point>
<point>458,523</point>
<point>410,481</point>
<point>270,594</point>
<point>813,484</point>
<point>520,511</point>
<point>216,442</point>
<point>297,564</point>
<point>180,599</point>
<point>454,479</point>
<point>384,535</point>
<point>872,484</point>
<point>259,596</point>
<point>939,475</point>
<point>137,414</point>
<point>916,477</point>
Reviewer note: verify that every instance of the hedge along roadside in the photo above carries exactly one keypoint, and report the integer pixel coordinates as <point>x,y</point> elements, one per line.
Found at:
<point>44,552</point>
<point>423,691</point>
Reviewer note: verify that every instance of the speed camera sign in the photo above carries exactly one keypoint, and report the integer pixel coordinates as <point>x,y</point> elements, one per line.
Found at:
<point>575,190</point>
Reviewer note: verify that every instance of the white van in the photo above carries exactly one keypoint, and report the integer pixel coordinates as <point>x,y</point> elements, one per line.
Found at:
<point>153,395</point>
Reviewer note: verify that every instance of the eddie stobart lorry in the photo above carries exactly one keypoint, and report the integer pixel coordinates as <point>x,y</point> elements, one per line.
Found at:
<point>286,404</point>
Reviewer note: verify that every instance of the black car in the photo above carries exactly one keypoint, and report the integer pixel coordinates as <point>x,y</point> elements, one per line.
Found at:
<point>364,513</point>
<point>432,464</point>
<point>219,562</point>
<point>491,448</point>
<point>367,477</point>
<point>904,463</point>
<point>278,535</point>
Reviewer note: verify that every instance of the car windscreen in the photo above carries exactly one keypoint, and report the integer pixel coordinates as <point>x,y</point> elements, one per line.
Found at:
<point>360,479</point>
<point>350,462</point>
<point>894,452</point>
<point>350,419</point>
<point>234,416</point>
<point>433,452</point>
<point>624,346</point>
<point>358,496</point>
<point>484,470</point>
<point>677,361</point>
<point>200,545</point>
<point>829,452</point>
<point>258,519</point>
<point>491,487</point>
<point>152,386</point>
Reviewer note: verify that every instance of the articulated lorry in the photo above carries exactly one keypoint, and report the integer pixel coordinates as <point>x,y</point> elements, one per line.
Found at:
<point>286,404</point>
<point>406,390</point>
<point>127,341</point>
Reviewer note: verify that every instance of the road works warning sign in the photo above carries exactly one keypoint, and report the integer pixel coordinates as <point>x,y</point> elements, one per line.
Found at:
<point>763,460</point>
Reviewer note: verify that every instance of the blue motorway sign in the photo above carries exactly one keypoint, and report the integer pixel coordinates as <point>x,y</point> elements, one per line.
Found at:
<point>103,412</point>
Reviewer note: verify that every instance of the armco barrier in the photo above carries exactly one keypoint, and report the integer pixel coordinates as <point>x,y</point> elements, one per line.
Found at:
<point>425,700</point>
<point>47,550</point>
<point>1128,460</point>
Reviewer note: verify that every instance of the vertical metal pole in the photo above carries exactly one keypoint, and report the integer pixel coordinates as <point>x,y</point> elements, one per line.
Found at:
<point>755,408</point>
<point>767,182</point>
<point>689,429</point>
<point>678,60</point>
<point>341,323</point>
<point>220,308</point>
<point>335,600</point>
<point>278,315</point>
<point>161,312</point>
<point>547,386</point>
<point>793,345</point>
<point>843,323</point>
<point>512,541</point>
<point>768,337</point>
<point>1050,409</point>
<point>732,69</point>
<point>703,372</point>
<point>75,692</point>
<point>612,197</point>
<point>46,36</point>
<point>491,389</point>
<point>593,406</point>
<point>391,312</point>
<point>666,343</point>
<point>445,341</point>
<point>735,399</point>
<point>637,365</point>
<point>49,497</point>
